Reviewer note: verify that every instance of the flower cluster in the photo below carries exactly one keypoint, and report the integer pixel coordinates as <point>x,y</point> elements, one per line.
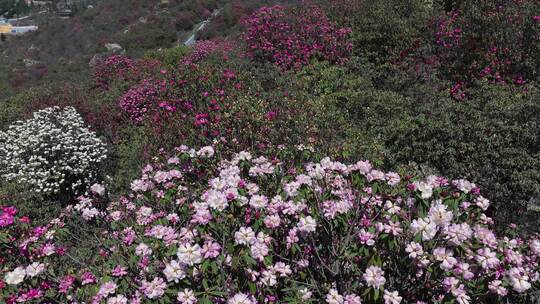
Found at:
<point>185,100</point>
<point>292,36</point>
<point>27,253</point>
<point>53,152</point>
<point>197,228</point>
<point>475,43</point>
<point>120,67</point>
<point>140,100</point>
<point>113,67</point>
<point>205,48</point>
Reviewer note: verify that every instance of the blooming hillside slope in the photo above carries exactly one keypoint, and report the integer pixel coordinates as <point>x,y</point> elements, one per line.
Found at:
<point>199,228</point>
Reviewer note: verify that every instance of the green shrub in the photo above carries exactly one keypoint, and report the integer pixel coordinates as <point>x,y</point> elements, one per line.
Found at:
<point>169,56</point>
<point>352,113</point>
<point>492,140</point>
<point>381,29</point>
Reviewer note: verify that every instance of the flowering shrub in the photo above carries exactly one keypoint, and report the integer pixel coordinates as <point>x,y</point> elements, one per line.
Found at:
<point>53,152</point>
<point>119,67</point>
<point>189,100</point>
<point>494,41</point>
<point>115,66</point>
<point>139,100</point>
<point>200,229</point>
<point>30,257</point>
<point>203,49</point>
<point>292,36</point>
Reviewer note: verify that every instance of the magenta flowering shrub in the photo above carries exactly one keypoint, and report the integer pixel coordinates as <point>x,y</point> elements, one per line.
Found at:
<point>496,41</point>
<point>120,67</point>
<point>113,67</point>
<point>187,101</point>
<point>205,48</point>
<point>199,228</point>
<point>292,36</point>
<point>29,255</point>
<point>140,99</point>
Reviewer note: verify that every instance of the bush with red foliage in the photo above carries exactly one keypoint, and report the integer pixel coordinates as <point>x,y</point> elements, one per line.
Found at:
<point>495,41</point>
<point>206,48</point>
<point>190,99</point>
<point>184,21</point>
<point>291,37</point>
<point>120,67</point>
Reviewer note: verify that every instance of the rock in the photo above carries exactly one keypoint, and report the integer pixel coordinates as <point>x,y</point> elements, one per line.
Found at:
<point>32,48</point>
<point>114,48</point>
<point>534,204</point>
<point>29,62</point>
<point>96,60</point>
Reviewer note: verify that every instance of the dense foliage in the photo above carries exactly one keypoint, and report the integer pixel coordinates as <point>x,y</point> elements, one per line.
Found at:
<point>441,95</point>
<point>292,36</point>
<point>54,152</point>
<point>282,231</point>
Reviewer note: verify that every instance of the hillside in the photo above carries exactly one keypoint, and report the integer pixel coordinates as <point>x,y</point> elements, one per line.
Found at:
<point>63,47</point>
<point>249,152</point>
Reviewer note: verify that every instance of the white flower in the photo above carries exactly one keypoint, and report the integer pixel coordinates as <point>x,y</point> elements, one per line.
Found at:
<point>119,299</point>
<point>143,250</point>
<point>414,250</point>
<point>482,202</point>
<point>535,246</point>
<point>189,254</point>
<point>333,297</point>
<point>439,214</point>
<point>519,279</point>
<point>268,278</point>
<point>207,151</point>
<point>98,189</point>
<point>241,298</point>
<point>107,288</point>
<point>174,271</point>
<point>216,199</point>
<point>374,277</point>
<point>51,152</point>
<point>187,296</point>
<point>424,226</point>
<point>425,188</point>
<point>244,236</point>
<point>259,250</point>
<point>16,276</point>
<point>391,297</point>
<point>307,224</point>
<point>258,201</point>
<point>34,269</point>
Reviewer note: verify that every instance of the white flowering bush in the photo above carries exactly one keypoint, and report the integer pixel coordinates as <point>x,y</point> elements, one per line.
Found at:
<point>244,230</point>
<point>53,152</point>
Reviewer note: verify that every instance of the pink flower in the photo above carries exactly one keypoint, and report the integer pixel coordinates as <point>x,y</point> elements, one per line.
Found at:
<point>374,277</point>
<point>87,278</point>
<point>119,271</point>
<point>154,289</point>
<point>210,250</point>
<point>6,219</point>
<point>66,283</point>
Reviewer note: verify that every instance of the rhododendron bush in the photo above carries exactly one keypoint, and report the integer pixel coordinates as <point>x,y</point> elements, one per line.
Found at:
<point>496,41</point>
<point>291,37</point>
<point>54,152</point>
<point>201,228</point>
<point>195,98</point>
<point>122,68</point>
